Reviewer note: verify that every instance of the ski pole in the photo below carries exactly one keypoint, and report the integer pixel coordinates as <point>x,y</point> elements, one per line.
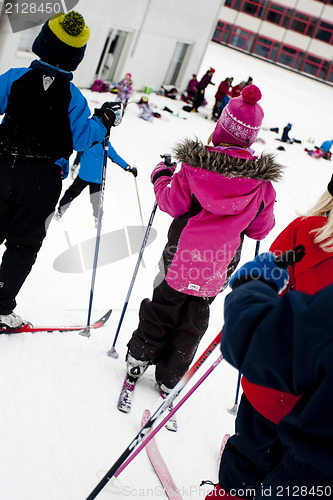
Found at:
<point>168,416</point>
<point>161,409</point>
<point>86,331</point>
<point>285,260</point>
<point>112,352</point>
<point>138,197</point>
<point>234,409</point>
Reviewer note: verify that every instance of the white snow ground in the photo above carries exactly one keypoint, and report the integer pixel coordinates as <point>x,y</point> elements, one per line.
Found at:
<point>60,430</point>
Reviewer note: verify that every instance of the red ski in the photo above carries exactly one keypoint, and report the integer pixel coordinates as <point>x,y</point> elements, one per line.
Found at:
<point>159,465</point>
<point>28,328</point>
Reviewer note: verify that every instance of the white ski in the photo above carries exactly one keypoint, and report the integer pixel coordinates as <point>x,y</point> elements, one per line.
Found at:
<point>159,465</point>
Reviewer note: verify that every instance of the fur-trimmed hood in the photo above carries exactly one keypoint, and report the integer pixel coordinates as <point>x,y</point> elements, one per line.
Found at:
<point>262,168</point>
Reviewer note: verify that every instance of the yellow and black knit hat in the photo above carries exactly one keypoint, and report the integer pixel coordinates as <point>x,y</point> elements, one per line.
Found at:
<point>62,40</point>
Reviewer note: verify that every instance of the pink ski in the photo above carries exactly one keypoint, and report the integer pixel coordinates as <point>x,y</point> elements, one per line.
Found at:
<point>224,442</point>
<point>159,465</point>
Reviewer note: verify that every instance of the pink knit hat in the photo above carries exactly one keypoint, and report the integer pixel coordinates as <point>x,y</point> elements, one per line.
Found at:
<point>240,120</point>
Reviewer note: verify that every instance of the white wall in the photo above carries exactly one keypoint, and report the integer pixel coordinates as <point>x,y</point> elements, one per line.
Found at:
<point>154,34</point>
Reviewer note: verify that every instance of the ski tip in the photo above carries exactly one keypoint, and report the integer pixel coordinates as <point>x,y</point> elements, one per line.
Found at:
<point>104,318</point>
<point>146,414</point>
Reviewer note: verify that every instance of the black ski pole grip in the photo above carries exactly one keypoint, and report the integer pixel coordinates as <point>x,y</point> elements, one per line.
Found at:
<point>167,160</point>
<point>290,257</point>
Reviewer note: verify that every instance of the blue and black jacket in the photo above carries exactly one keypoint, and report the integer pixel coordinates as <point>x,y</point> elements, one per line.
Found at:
<point>46,116</point>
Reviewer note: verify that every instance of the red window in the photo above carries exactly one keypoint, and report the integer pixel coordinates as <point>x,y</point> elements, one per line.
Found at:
<point>328,2</point>
<point>253,7</point>
<point>303,23</point>
<point>221,32</point>
<point>315,66</point>
<point>266,48</point>
<point>278,14</point>
<point>233,4</point>
<point>329,77</point>
<point>325,32</point>
<point>243,39</point>
<point>290,56</point>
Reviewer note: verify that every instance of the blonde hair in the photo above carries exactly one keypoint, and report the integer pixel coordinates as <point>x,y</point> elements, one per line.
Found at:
<point>209,140</point>
<point>323,208</point>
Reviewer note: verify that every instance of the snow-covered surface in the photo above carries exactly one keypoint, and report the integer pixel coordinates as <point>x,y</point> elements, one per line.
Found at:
<point>60,430</point>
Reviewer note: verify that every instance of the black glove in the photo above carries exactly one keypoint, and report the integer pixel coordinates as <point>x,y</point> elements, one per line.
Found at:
<point>110,114</point>
<point>133,170</point>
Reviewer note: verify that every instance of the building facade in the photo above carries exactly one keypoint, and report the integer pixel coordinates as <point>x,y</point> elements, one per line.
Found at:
<point>157,42</point>
<point>297,34</point>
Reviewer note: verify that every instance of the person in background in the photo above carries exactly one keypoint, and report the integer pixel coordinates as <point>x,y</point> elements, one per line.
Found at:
<point>326,147</point>
<point>124,89</point>
<point>191,88</point>
<point>45,118</point>
<point>221,193</point>
<point>285,343</point>
<point>323,152</point>
<point>221,98</point>
<point>145,112</point>
<point>285,134</point>
<point>201,86</point>
<point>254,450</point>
<point>237,90</point>
<point>90,174</point>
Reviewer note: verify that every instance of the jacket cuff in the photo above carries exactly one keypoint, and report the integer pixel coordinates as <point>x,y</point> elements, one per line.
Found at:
<point>162,173</point>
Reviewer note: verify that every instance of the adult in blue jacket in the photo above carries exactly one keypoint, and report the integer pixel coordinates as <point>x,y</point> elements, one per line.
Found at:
<point>45,118</point>
<point>286,343</point>
<point>90,174</point>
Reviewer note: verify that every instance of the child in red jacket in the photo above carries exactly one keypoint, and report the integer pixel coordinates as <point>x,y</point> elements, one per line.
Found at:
<point>254,450</point>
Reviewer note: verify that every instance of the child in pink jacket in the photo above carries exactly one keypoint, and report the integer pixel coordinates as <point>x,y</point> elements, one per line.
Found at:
<point>221,193</point>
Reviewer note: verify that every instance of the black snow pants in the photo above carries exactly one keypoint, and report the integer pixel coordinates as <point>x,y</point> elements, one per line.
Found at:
<point>76,188</point>
<point>199,98</point>
<point>170,328</point>
<point>29,191</point>
<point>251,453</point>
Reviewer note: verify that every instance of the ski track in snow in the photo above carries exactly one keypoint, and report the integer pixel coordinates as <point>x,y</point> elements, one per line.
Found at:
<point>60,430</point>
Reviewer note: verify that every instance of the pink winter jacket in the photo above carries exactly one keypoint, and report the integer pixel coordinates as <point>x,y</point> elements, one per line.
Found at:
<point>218,194</point>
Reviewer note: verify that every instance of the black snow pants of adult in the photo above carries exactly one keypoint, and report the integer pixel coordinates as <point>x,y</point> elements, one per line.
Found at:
<point>76,188</point>
<point>199,98</point>
<point>170,328</point>
<point>29,191</point>
<point>251,453</point>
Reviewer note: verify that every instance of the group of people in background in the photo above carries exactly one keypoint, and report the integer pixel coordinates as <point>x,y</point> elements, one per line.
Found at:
<point>225,92</point>
<point>278,325</point>
<point>195,92</point>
